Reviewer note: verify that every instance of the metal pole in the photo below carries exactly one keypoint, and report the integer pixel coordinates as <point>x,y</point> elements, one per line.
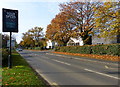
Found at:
<point>10,60</point>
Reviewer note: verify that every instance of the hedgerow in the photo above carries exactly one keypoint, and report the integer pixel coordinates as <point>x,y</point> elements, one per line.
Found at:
<point>5,54</point>
<point>109,49</point>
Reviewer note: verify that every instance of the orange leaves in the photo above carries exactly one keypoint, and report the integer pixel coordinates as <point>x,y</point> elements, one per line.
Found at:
<point>12,78</point>
<point>81,15</point>
<point>6,84</point>
<point>59,29</point>
<point>104,57</point>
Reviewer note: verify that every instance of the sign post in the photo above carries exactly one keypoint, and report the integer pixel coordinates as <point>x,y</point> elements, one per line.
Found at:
<point>10,24</point>
<point>10,60</point>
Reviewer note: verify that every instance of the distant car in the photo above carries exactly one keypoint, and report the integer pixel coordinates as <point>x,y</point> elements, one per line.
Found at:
<point>19,49</point>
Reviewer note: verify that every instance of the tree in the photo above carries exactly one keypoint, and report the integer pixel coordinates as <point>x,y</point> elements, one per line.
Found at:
<point>0,40</point>
<point>27,40</point>
<point>36,34</point>
<point>60,30</point>
<point>32,37</point>
<point>5,38</point>
<point>50,32</point>
<point>81,15</point>
<point>107,19</point>
<point>43,43</point>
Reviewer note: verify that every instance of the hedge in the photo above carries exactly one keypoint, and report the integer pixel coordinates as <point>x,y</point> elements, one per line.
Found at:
<point>35,48</point>
<point>5,54</point>
<point>109,49</point>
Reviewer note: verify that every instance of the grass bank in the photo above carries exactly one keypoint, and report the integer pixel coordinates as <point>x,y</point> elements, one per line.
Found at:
<point>20,74</point>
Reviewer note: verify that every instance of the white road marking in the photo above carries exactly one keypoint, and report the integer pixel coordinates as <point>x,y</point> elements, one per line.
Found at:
<point>102,74</point>
<point>106,67</point>
<point>46,79</point>
<point>54,83</point>
<point>61,62</point>
<point>82,59</point>
<point>51,83</point>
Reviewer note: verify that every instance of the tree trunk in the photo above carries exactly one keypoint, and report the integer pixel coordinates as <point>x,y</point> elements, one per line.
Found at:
<point>65,44</point>
<point>87,40</point>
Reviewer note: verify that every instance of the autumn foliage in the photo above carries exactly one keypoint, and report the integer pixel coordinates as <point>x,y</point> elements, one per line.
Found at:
<point>60,30</point>
<point>84,19</point>
<point>33,38</point>
<point>94,56</point>
<point>74,20</point>
<point>81,16</point>
<point>107,19</point>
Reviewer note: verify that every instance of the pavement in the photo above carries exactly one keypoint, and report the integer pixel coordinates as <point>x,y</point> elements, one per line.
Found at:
<point>63,70</point>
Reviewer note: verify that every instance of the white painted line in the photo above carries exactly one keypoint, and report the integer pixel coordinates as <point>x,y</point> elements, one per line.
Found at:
<point>61,62</point>
<point>44,77</point>
<point>58,55</point>
<point>108,67</point>
<point>82,59</point>
<point>102,74</point>
<point>49,54</point>
<point>54,83</point>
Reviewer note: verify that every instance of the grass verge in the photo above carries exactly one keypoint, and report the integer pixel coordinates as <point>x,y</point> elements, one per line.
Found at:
<point>94,56</point>
<point>20,74</point>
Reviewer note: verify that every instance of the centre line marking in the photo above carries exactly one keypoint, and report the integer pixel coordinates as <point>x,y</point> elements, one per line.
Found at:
<point>82,59</point>
<point>102,74</point>
<point>61,62</point>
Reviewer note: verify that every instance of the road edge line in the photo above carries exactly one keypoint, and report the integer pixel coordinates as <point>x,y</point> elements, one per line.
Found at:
<point>39,75</point>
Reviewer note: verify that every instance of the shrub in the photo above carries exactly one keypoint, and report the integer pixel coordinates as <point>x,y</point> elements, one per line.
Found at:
<point>5,54</point>
<point>36,48</point>
<point>109,49</point>
<point>99,49</point>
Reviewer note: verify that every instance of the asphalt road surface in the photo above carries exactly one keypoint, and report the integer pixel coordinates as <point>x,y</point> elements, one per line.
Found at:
<point>59,69</point>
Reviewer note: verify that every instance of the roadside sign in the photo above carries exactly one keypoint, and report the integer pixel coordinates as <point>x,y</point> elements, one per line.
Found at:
<point>10,24</point>
<point>10,20</point>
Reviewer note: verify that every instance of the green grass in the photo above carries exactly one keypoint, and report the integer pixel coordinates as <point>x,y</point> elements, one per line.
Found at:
<point>20,73</point>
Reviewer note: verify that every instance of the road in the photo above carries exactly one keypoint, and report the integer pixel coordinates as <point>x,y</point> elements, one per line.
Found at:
<point>70,70</point>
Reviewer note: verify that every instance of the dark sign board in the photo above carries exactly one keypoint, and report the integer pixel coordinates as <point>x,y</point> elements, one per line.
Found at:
<point>10,20</point>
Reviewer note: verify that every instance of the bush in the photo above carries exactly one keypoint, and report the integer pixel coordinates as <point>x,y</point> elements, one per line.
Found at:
<point>35,48</point>
<point>5,54</point>
<point>74,49</point>
<point>99,49</point>
<point>111,49</point>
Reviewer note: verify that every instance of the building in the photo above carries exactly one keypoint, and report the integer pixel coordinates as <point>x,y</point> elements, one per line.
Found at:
<point>79,41</point>
<point>51,44</point>
<point>75,42</point>
<point>96,40</point>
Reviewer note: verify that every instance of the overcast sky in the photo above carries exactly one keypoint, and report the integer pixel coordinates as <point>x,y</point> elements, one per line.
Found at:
<point>38,13</point>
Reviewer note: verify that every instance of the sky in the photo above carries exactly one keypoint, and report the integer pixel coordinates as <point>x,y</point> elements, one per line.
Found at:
<point>32,13</point>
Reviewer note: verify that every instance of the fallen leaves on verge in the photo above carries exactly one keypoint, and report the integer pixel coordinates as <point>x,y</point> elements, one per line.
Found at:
<point>104,57</point>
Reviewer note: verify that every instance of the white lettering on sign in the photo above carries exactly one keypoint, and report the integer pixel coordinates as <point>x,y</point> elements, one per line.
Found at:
<point>10,15</point>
